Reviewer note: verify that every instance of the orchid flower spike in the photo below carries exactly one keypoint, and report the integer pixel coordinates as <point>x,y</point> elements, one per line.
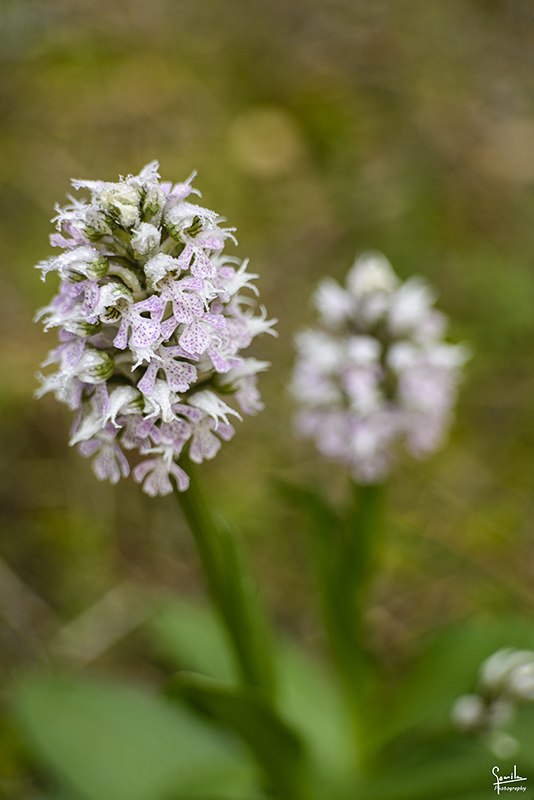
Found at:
<point>376,373</point>
<point>505,683</point>
<point>151,326</point>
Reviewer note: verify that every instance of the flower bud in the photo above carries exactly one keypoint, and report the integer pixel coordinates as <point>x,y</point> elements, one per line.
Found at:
<point>371,273</point>
<point>83,328</point>
<point>98,268</point>
<point>121,200</point>
<point>468,711</point>
<point>154,201</point>
<point>95,366</point>
<point>496,669</point>
<point>95,225</point>
<point>521,682</point>
<point>83,262</point>
<point>113,296</point>
<point>145,238</point>
<point>177,219</point>
<point>159,266</point>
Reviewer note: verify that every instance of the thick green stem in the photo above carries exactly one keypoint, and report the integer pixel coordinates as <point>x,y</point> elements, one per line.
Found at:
<point>346,560</point>
<point>231,588</point>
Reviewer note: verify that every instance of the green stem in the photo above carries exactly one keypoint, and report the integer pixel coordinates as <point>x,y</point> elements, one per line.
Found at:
<point>346,561</point>
<point>231,588</point>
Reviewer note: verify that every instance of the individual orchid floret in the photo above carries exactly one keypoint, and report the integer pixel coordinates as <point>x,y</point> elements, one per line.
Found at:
<point>152,322</point>
<point>377,373</point>
<point>505,682</point>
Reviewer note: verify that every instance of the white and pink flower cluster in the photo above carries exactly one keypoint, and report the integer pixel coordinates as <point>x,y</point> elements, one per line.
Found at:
<point>151,321</point>
<point>377,373</point>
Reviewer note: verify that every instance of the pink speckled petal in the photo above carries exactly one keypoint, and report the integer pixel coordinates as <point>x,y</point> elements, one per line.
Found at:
<point>194,339</point>
<point>194,414</point>
<point>141,470</point>
<point>121,339</point>
<point>204,445</point>
<point>145,331</point>
<point>146,384</point>
<point>220,363</point>
<point>202,266</point>
<point>216,320</point>
<point>179,375</point>
<point>168,327</point>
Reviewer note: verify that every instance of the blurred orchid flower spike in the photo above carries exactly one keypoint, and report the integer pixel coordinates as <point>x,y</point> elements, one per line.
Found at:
<point>505,683</point>
<point>151,321</point>
<point>376,373</point>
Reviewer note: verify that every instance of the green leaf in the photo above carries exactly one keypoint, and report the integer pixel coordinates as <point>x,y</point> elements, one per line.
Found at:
<point>192,638</point>
<point>107,741</point>
<point>308,698</point>
<point>313,705</point>
<point>245,710</point>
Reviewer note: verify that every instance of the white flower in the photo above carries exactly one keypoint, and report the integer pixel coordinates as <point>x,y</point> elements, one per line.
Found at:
<point>496,670</point>
<point>332,302</point>
<point>377,373</point>
<point>213,406</point>
<point>371,274</point>
<point>149,314</point>
<point>145,238</point>
<point>521,681</point>
<point>159,266</point>
<point>468,711</point>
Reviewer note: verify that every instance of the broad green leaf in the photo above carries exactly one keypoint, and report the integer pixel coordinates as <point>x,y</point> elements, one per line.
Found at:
<point>191,637</point>
<point>245,710</point>
<point>314,706</point>
<point>108,741</point>
<point>308,698</point>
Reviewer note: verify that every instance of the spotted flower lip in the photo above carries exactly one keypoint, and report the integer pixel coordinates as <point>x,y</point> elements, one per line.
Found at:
<point>376,373</point>
<point>152,323</point>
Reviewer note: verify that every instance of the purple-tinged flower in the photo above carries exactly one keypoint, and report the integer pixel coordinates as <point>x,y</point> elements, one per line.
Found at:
<point>110,462</point>
<point>204,444</point>
<point>151,324</point>
<point>154,474</point>
<point>378,372</point>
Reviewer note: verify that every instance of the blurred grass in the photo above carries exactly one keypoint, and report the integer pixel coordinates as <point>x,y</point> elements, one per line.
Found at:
<point>318,128</point>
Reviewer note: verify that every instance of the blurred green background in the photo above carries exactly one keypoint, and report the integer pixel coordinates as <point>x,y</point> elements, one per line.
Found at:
<point>318,129</point>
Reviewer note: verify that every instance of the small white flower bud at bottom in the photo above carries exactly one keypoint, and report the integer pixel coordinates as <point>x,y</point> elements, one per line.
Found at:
<point>468,711</point>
